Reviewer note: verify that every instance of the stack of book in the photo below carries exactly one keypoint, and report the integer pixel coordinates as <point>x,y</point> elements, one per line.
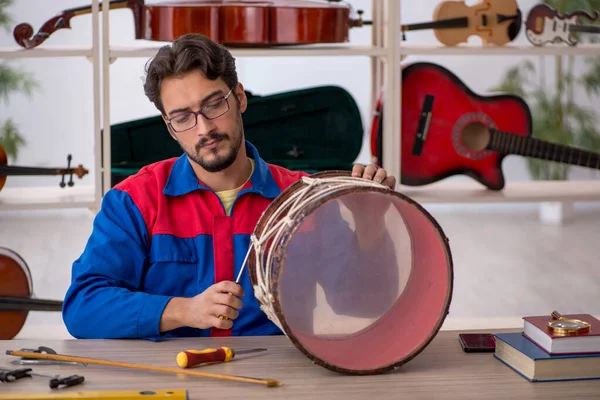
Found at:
<point>540,354</point>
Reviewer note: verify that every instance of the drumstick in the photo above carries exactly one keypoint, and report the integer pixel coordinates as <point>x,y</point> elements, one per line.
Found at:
<point>243,266</point>
<point>27,354</point>
<point>238,278</point>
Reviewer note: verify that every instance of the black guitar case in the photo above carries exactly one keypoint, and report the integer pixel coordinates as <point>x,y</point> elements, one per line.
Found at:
<point>313,129</point>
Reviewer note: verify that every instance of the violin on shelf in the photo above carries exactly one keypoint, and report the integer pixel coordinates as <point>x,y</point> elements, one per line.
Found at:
<point>545,25</point>
<point>16,294</point>
<point>496,22</point>
<point>6,170</point>
<point>253,23</point>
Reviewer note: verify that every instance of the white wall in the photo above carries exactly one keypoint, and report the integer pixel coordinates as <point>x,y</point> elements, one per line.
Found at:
<point>59,118</point>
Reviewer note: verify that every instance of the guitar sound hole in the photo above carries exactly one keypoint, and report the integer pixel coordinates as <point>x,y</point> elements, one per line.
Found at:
<point>475,136</point>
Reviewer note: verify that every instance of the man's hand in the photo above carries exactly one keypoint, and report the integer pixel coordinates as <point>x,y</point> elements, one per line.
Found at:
<point>203,310</point>
<point>372,172</point>
<point>369,216</point>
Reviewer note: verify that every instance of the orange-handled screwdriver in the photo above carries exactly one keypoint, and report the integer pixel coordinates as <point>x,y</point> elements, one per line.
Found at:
<point>192,358</point>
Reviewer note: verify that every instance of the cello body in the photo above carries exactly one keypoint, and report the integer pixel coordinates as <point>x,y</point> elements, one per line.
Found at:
<point>246,23</point>
<point>16,295</point>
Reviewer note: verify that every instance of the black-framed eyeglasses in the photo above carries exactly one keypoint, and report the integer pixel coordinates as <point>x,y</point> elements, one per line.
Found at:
<point>211,110</point>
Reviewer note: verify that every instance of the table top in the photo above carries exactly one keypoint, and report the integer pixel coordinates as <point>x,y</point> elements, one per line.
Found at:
<point>441,371</point>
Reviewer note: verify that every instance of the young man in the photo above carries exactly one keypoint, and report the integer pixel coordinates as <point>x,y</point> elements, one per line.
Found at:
<point>168,242</point>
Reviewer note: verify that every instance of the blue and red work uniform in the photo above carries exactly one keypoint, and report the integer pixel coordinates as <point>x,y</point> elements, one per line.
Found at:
<point>161,233</point>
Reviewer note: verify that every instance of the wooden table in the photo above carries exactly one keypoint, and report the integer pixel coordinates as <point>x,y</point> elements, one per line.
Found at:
<point>441,371</point>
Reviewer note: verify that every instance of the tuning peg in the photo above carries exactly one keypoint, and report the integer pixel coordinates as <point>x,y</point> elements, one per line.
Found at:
<point>69,158</point>
<point>62,183</point>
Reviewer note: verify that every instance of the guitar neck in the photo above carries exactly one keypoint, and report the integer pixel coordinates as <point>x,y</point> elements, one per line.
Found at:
<point>584,28</point>
<point>6,170</point>
<point>508,143</point>
<point>461,22</point>
<point>9,303</point>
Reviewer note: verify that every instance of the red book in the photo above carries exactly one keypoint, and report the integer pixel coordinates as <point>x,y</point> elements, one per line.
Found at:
<point>535,328</point>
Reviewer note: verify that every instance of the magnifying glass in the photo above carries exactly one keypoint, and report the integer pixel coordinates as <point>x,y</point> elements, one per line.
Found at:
<point>565,326</point>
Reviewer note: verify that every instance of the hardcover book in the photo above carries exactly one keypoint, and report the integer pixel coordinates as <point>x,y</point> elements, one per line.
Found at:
<point>535,329</point>
<point>535,365</point>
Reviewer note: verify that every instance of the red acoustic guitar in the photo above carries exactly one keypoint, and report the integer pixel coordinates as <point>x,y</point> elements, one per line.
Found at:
<point>447,130</point>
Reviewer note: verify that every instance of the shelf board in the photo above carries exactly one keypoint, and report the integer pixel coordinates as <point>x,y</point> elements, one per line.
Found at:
<point>54,197</point>
<point>584,49</point>
<point>287,51</point>
<point>513,192</point>
<point>443,192</point>
<point>46,52</point>
<point>406,48</point>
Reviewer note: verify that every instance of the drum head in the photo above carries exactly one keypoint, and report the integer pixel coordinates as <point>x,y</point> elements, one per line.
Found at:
<point>361,280</point>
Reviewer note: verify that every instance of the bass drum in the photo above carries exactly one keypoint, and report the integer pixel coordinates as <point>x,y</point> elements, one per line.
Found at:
<point>358,276</point>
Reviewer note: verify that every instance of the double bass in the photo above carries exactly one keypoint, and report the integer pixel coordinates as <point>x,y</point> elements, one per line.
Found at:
<point>6,170</point>
<point>16,294</point>
<point>254,23</point>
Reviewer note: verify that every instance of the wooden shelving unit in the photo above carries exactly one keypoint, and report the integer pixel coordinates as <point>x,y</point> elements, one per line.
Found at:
<point>386,53</point>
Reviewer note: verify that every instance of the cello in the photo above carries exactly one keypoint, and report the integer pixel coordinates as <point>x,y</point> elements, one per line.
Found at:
<point>16,294</point>
<point>254,23</point>
<point>236,23</point>
<point>6,170</point>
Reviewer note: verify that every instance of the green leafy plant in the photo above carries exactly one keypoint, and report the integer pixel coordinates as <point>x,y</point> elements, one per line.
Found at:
<point>12,80</point>
<point>557,117</point>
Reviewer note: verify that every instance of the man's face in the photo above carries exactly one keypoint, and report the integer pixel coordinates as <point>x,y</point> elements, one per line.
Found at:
<point>212,144</point>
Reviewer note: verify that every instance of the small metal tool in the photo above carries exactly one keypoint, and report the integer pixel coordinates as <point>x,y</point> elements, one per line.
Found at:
<point>7,375</point>
<point>43,350</point>
<point>56,381</point>
<point>27,361</point>
<point>11,375</point>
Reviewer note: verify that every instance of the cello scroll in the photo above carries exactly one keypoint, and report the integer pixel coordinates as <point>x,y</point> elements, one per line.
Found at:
<point>24,35</point>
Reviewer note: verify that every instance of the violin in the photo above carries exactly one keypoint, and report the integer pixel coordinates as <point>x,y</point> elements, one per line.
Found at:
<point>495,22</point>
<point>253,23</point>
<point>16,295</point>
<point>6,170</point>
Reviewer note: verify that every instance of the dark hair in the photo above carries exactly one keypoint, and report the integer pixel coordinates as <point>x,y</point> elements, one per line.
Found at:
<point>188,53</point>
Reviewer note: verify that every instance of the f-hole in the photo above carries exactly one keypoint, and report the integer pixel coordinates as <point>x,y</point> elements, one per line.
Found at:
<point>476,136</point>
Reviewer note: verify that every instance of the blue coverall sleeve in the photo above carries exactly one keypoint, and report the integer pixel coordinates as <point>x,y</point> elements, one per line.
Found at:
<point>104,300</point>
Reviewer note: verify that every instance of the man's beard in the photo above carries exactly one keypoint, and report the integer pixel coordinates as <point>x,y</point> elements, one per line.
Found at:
<point>220,163</point>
